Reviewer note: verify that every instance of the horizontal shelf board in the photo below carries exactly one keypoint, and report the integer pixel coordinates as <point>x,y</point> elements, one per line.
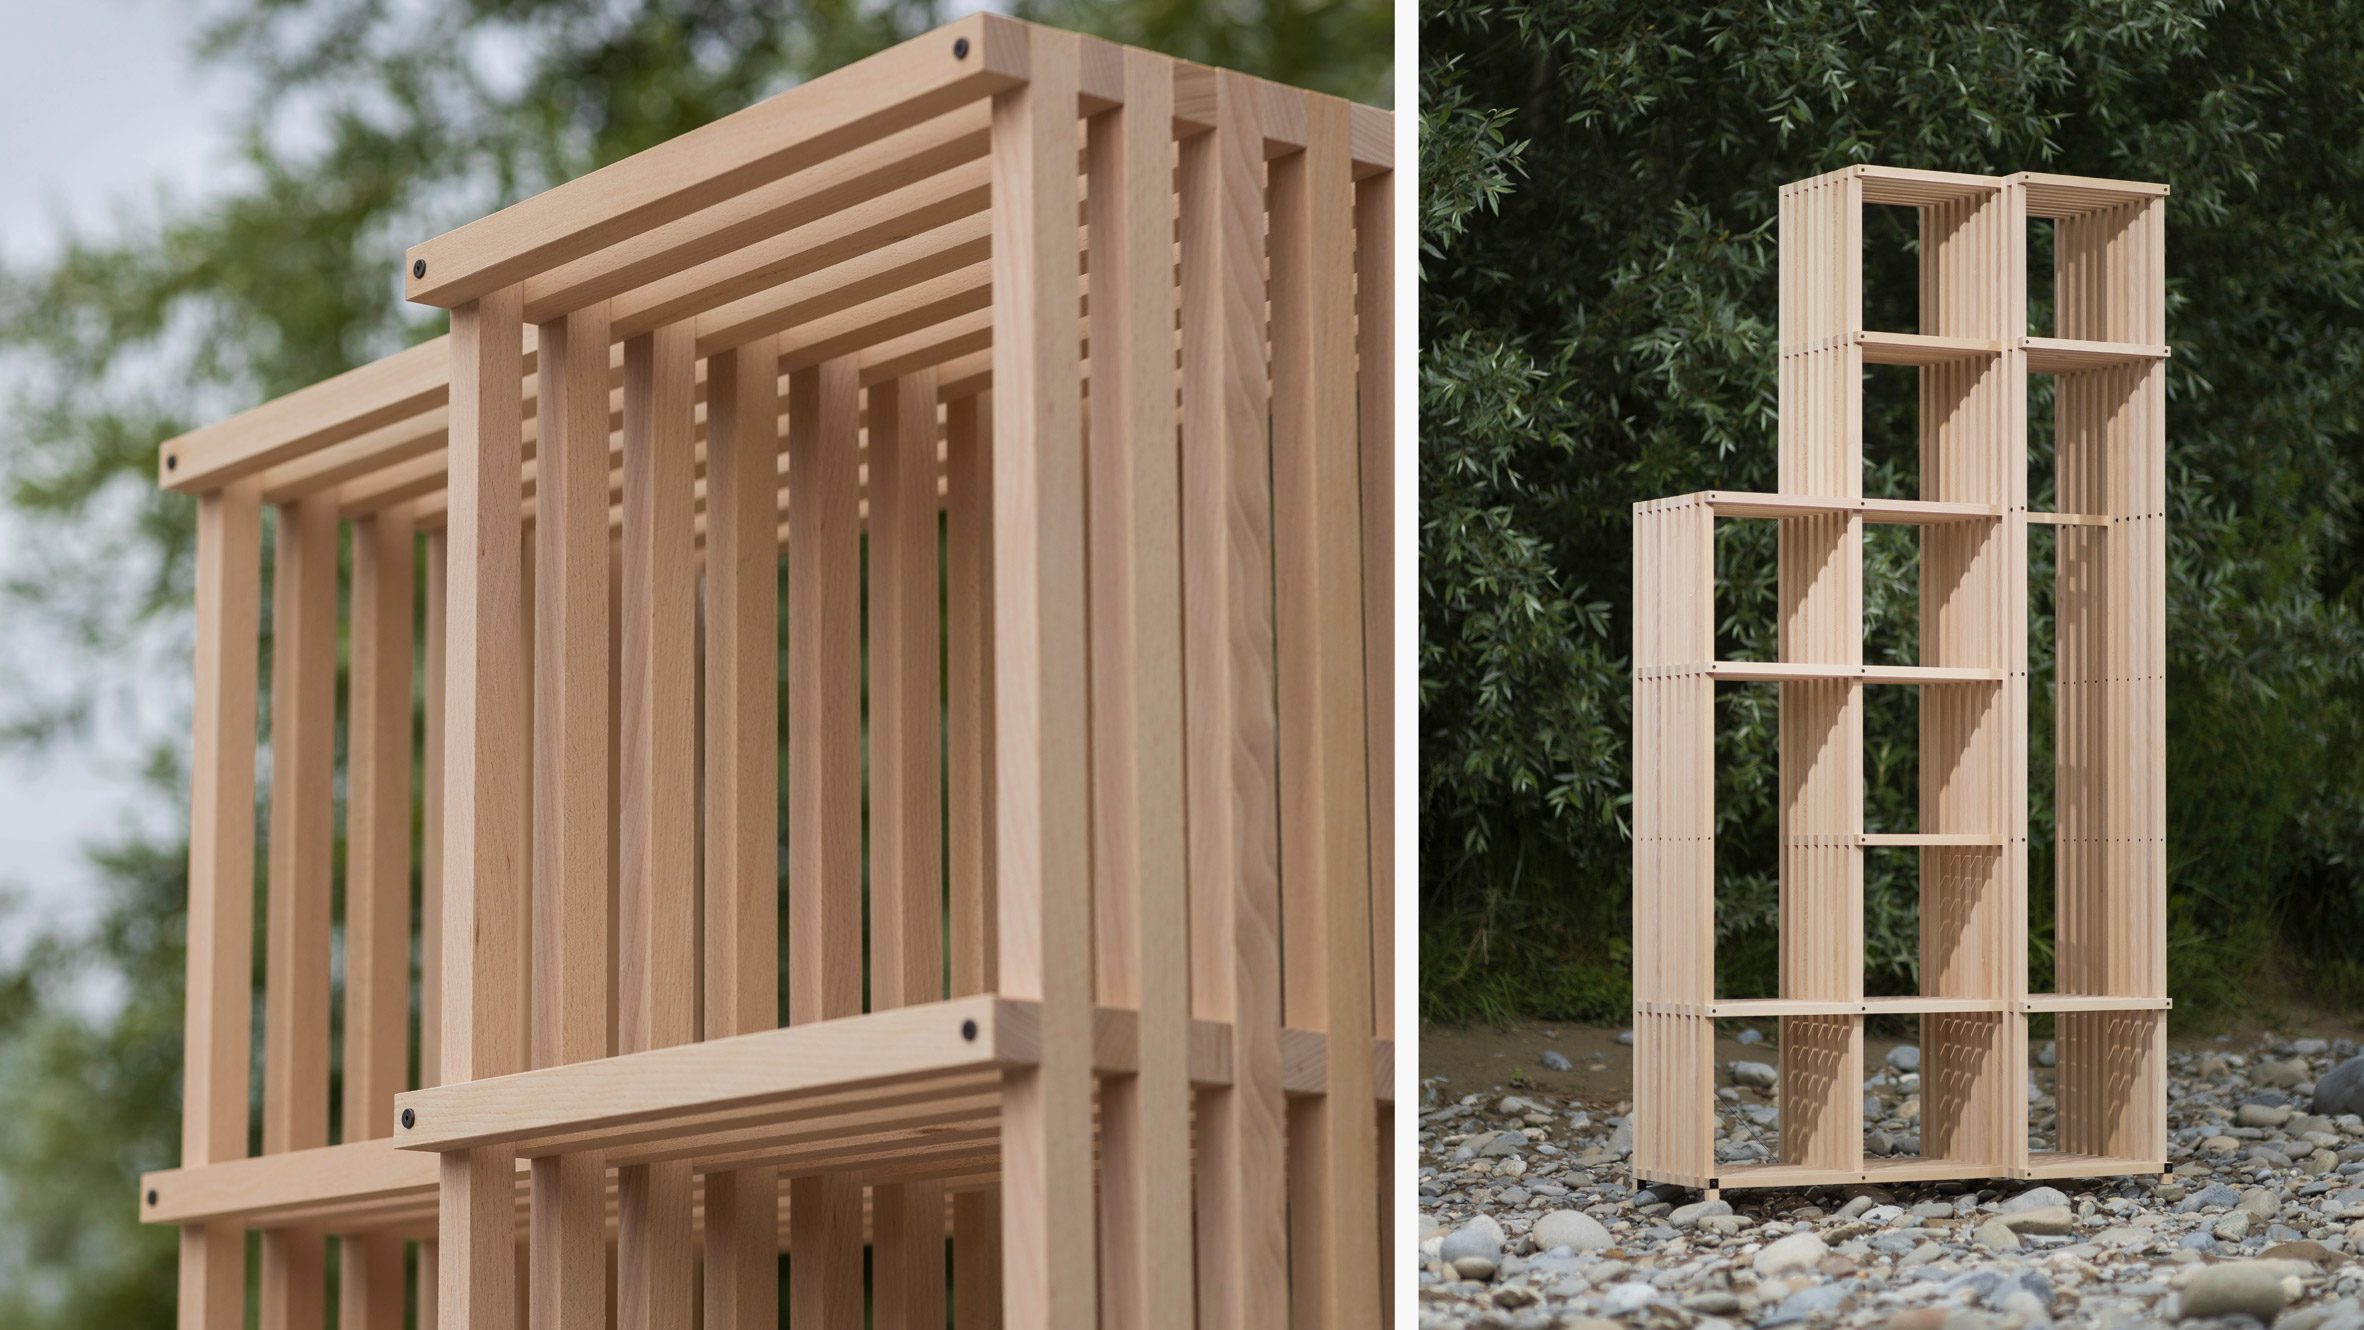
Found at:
<point>1932,838</point>
<point>2068,519</point>
<point>2063,1164</point>
<point>2059,355</point>
<point>1899,512</point>
<point>1770,1008</point>
<point>2050,195</point>
<point>1897,348</point>
<point>1924,1004</point>
<point>1782,671</point>
<point>2091,1002</point>
<point>772,1078</point>
<point>1914,1168</point>
<point>1784,1175</point>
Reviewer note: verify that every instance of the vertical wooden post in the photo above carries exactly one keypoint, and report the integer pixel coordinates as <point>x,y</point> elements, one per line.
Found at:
<point>1049,1264</point>
<point>296,988</point>
<point>570,920</point>
<point>484,823</point>
<point>217,1038</point>
<point>377,886</point>
<point>1325,863</point>
<point>426,1294</point>
<point>906,806</point>
<point>1226,503</point>
<point>825,782</point>
<point>742,795</point>
<point>657,906</point>
<point>968,720</point>
<point>1140,906</point>
<point>1374,349</point>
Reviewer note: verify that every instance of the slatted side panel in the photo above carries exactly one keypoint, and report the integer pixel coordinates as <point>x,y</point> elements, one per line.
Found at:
<point>2112,893</point>
<point>1674,845</point>
<point>1226,504</point>
<point>1972,599</point>
<point>1820,588</point>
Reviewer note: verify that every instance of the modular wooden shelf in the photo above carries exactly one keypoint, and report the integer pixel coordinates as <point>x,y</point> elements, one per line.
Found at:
<point>853,712</point>
<point>1974,355</point>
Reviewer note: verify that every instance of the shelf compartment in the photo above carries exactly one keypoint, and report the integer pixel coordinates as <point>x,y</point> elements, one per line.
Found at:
<point>1733,1177</point>
<point>2066,355</point>
<point>2039,1002</point>
<point>1895,348</point>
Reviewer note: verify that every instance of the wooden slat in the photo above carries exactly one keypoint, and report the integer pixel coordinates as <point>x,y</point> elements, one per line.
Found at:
<point>968,706</point>
<point>1325,875</point>
<point>906,806</point>
<point>906,815</point>
<point>1226,506</point>
<point>969,822</point>
<point>742,782</point>
<point>377,837</point>
<point>825,776</point>
<point>377,889</point>
<point>570,865</point>
<point>221,833</point>
<point>657,911</point>
<point>296,981</point>
<point>217,1040</point>
<point>892,90</point>
<point>1042,829</point>
<point>1140,907</point>
<point>485,830</point>
<point>1374,330</point>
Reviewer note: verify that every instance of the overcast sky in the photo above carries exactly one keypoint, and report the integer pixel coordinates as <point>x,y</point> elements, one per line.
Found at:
<point>103,106</point>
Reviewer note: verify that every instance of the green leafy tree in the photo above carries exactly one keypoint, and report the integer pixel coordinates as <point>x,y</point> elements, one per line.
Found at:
<point>1598,293</point>
<point>410,119</point>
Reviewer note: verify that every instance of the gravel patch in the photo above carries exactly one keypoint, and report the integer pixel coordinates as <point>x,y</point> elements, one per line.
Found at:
<point>1528,1221</point>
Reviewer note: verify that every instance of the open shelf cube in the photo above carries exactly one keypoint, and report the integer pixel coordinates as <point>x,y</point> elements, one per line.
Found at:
<point>1974,354</point>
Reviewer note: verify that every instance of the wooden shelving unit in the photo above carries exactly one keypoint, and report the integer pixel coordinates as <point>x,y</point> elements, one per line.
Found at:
<point>856,691</point>
<point>1974,356</point>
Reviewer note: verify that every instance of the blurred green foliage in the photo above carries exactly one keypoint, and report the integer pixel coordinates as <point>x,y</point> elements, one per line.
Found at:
<point>1598,298</point>
<point>374,124</point>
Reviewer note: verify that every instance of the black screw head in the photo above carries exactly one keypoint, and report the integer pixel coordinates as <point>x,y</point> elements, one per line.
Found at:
<point>960,48</point>
<point>410,1119</point>
<point>968,1031</point>
<point>172,461</point>
<point>151,1195</point>
<point>418,267</point>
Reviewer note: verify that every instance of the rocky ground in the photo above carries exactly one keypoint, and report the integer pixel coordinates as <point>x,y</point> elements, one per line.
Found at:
<point>1528,1221</point>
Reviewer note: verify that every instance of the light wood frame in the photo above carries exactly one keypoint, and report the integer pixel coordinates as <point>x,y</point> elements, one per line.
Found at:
<point>2108,359</point>
<point>1082,718</point>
